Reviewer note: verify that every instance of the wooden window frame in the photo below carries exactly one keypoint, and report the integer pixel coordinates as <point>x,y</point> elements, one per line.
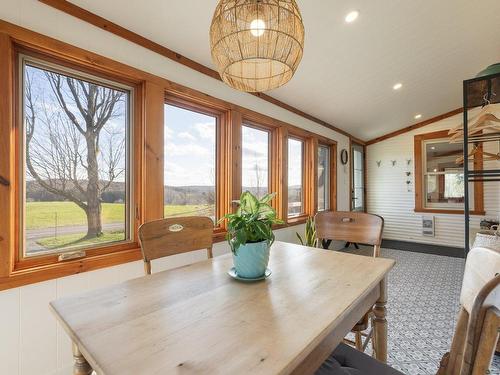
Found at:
<point>148,149</point>
<point>222,150</point>
<point>22,263</point>
<point>418,142</point>
<point>271,131</point>
<point>332,165</point>
<point>309,162</point>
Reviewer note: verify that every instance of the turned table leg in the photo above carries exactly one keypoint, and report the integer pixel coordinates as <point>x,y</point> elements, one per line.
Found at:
<point>81,366</point>
<point>380,324</point>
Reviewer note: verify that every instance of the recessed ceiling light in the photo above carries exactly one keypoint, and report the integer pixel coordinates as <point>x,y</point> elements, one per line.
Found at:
<point>397,86</point>
<point>351,16</point>
<point>418,116</point>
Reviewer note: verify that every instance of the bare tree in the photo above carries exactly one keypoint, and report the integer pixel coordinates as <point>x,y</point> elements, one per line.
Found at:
<point>68,160</point>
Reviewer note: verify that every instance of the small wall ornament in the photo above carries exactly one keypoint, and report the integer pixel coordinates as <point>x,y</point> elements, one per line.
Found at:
<point>393,162</point>
<point>378,163</point>
<point>344,156</point>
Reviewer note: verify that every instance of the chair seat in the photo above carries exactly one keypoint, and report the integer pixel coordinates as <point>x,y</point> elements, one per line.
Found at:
<point>346,360</point>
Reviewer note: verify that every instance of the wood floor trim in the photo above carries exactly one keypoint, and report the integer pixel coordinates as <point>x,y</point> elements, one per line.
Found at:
<point>104,24</point>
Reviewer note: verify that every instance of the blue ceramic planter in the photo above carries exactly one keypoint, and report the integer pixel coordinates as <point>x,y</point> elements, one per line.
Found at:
<point>251,259</point>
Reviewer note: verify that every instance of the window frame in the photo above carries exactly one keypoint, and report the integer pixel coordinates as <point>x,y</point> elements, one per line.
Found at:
<point>17,267</point>
<point>222,151</point>
<point>420,141</point>
<point>304,176</point>
<point>270,149</point>
<point>24,60</point>
<point>332,183</point>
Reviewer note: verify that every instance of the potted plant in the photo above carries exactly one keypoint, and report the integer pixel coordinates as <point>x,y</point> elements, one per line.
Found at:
<point>250,235</point>
<point>310,238</point>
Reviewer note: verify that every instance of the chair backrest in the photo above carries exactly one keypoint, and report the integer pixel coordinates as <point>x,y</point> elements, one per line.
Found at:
<point>161,238</point>
<point>355,227</point>
<point>476,333</point>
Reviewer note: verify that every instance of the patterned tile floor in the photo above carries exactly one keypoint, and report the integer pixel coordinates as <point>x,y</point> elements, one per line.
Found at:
<point>423,300</point>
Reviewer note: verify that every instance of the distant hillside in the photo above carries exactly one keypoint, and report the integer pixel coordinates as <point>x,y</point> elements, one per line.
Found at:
<point>177,195</point>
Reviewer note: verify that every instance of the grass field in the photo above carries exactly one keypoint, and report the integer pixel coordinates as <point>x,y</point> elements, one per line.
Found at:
<point>40,215</point>
<point>52,243</point>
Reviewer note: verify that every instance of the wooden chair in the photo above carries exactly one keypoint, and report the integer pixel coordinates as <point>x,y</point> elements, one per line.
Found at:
<point>478,324</point>
<point>476,334</point>
<point>354,227</point>
<point>161,238</point>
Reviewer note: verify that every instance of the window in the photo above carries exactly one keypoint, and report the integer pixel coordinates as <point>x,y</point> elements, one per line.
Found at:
<point>358,178</point>
<point>76,152</point>
<point>323,178</point>
<point>190,168</point>
<point>439,179</point>
<point>255,160</point>
<point>444,179</point>
<point>295,177</point>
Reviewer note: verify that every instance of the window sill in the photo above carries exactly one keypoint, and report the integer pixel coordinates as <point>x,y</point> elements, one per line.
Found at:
<point>71,267</point>
<point>295,220</point>
<point>447,211</point>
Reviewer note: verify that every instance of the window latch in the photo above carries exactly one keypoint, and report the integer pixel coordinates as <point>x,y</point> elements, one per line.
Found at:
<point>71,255</point>
<point>4,181</point>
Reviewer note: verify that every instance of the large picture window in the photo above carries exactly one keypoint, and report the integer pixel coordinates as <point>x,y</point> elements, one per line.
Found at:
<point>190,172</point>
<point>295,177</point>
<point>76,159</point>
<point>255,160</point>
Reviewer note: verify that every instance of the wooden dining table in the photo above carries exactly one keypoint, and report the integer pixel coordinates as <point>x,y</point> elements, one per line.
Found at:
<point>196,319</point>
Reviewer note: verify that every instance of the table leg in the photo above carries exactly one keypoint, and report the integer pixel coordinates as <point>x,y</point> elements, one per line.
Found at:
<point>380,324</point>
<point>81,366</point>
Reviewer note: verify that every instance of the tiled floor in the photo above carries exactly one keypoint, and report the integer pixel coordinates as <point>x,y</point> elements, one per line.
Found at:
<point>423,300</point>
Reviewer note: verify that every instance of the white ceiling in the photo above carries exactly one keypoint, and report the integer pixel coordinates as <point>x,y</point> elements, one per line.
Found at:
<point>348,70</point>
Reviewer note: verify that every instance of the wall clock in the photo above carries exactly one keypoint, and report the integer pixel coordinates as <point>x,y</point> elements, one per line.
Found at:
<point>344,156</point>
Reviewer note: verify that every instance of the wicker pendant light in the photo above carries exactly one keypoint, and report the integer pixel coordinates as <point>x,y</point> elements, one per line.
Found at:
<point>256,44</point>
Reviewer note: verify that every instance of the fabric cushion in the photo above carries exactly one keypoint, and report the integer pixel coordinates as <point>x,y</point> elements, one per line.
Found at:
<point>346,360</point>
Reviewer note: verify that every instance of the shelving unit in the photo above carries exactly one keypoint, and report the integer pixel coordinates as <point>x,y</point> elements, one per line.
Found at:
<point>483,89</point>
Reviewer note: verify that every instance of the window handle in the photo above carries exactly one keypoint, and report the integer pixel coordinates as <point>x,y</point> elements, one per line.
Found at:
<point>4,181</point>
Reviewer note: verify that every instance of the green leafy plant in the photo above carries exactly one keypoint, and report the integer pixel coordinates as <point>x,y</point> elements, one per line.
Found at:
<point>252,221</point>
<point>310,238</point>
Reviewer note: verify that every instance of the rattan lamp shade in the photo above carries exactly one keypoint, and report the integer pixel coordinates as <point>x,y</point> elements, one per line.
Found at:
<point>256,44</point>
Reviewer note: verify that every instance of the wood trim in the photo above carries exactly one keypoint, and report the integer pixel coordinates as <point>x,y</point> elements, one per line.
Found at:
<point>280,159</point>
<point>7,170</point>
<point>414,126</point>
<point>419,183</point>
<point>333,177</point>
<point>236,151</point>
<point>311,177</point>
<point>154,155</point>
<point>104,24</point>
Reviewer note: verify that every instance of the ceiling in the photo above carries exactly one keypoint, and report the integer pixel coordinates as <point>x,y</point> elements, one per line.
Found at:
<point>348,70</point>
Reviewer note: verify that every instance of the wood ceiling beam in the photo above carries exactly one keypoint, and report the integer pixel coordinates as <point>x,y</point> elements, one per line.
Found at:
<point>104,24</point>
<point>414,126</point>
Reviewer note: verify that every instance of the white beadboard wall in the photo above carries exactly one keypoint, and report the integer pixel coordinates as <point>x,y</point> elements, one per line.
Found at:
<point>31,342</point>
<point>387,193</point>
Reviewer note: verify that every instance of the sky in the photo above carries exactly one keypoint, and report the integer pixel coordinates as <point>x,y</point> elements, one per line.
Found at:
<point>49,115</point>
<point>190,151</point>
